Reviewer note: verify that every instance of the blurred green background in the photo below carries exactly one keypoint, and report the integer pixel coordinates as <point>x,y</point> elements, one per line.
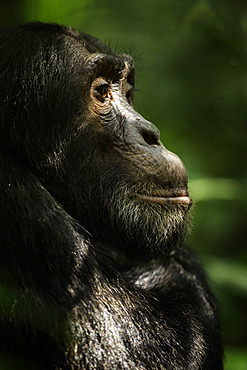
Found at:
<point>191,61</point>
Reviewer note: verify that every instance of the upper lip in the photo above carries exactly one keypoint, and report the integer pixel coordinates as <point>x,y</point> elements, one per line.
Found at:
<point>171,194</point>
<point>180,197</point>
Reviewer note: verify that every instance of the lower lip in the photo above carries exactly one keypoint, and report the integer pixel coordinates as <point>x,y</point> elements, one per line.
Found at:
<point>183,200</point>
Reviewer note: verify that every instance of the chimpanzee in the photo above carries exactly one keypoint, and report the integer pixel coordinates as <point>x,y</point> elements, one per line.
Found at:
<point>94,211</point>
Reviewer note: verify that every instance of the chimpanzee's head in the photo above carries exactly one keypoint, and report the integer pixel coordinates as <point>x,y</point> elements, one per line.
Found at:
<point>67,113</point>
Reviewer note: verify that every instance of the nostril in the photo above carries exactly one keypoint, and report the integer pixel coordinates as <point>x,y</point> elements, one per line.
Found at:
<point>150,137</point>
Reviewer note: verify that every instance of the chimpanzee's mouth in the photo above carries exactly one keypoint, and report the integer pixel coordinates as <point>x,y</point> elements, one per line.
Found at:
<point>178,199</point>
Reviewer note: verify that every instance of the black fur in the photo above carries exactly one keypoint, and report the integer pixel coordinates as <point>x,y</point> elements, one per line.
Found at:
<point>79,286</point>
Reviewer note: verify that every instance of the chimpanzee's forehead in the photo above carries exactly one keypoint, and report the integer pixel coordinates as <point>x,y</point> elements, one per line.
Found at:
<point>97,53</point>
<point>97,57</point>
<point>118,66</point>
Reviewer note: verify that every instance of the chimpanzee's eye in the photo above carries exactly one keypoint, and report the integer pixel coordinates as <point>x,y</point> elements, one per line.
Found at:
<point>102,92</point>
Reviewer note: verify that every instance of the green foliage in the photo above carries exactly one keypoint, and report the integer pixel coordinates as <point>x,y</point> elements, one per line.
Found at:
<point>192,81</point>
<point>217,188</point>
<point>57,11</point>
<point>236,359</point>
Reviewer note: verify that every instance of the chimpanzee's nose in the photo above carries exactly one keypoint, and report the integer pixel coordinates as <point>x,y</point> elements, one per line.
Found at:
<point>140,131</point>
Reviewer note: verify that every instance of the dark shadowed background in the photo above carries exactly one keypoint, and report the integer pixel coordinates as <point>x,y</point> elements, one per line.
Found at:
<point>191,80</point>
